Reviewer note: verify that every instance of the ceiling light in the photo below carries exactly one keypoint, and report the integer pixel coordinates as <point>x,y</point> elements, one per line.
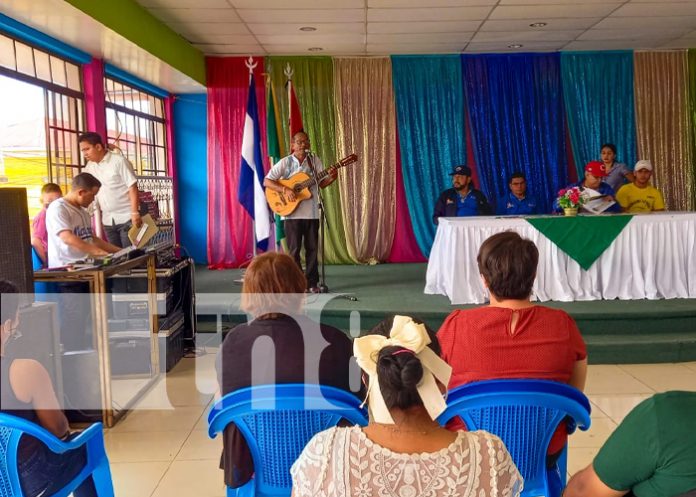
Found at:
<point>515,45</point>
<point>537,25</point>
<point>308,28</point>
<point>315,49</point>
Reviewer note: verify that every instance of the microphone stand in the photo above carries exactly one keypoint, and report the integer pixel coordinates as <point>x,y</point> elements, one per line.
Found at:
<point>323,288</point>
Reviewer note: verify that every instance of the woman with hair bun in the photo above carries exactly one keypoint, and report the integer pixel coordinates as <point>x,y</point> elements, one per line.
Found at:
<point>404,451</point>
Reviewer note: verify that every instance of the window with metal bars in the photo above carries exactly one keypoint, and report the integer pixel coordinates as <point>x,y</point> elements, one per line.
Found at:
<point>54,141</point>
<point>135,123</point>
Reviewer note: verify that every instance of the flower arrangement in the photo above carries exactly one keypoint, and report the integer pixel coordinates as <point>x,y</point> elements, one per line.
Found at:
<point>570,198</point>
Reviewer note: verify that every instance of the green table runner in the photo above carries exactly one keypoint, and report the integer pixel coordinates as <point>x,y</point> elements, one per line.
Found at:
<point>583,238</point>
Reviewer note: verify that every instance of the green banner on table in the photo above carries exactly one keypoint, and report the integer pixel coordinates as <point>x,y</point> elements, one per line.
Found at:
<point>583,238</point>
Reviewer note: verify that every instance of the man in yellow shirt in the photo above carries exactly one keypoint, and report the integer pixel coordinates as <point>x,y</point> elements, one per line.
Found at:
<point>640,196</point>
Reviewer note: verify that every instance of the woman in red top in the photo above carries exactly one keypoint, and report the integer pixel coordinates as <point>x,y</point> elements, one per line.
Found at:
<point>512,337</point>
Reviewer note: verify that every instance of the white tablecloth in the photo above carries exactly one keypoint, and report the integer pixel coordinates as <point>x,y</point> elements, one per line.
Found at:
<point>654,257</point>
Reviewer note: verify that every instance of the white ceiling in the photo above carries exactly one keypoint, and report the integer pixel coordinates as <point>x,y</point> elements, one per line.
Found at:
<point>381,27</point>
<point>61,20</point>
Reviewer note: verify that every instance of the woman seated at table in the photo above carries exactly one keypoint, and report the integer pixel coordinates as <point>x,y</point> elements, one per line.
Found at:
<point>279,345</point>
<point>512,337</point>
<point>404,451</point>
<point>27,393</point>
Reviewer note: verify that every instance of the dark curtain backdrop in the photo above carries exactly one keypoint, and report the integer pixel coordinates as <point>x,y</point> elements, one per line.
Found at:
<point>517,117</point>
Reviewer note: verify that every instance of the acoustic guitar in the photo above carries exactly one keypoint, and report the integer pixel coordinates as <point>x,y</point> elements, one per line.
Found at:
<point>300,183</point>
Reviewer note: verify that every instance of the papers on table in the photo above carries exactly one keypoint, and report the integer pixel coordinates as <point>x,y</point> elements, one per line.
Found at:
<point>595,202</point>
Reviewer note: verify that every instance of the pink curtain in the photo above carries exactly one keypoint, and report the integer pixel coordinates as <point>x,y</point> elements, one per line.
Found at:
<point>93,83</point>
<point>405,248</point>
<point>230,237</point>
<point>171,158</point>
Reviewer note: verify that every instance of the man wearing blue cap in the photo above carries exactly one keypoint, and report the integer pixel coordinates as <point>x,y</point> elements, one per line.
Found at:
<point>463,199</point>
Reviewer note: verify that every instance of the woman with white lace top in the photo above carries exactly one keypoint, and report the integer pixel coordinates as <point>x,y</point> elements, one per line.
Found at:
<point>404,452</point>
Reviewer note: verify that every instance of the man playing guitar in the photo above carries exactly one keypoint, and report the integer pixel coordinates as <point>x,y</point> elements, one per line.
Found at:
<point>302,225</point>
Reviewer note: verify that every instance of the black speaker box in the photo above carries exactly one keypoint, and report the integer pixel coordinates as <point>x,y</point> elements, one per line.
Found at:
<point>82,391</point>
<point>40,340</point>
<point>15,240</point>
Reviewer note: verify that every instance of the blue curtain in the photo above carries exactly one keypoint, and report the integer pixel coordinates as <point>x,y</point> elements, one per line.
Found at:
<point>430,119</point>
<point>517,120</point>
<point>598,92</point>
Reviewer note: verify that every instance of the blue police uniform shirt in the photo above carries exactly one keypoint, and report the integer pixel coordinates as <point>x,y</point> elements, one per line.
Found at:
<point>467,206</point>
<point>511,205</point>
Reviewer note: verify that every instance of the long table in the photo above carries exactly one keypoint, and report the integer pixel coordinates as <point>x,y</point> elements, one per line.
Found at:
<point>654,257</point>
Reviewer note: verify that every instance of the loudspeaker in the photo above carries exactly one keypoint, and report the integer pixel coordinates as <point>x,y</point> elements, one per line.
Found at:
<point>40,340</point>
<point>15,240</point>
<point>82,398</point>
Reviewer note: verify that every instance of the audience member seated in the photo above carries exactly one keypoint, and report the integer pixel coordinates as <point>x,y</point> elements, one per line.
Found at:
<point>463,199</point>
<point>640,196</point>
<point>652,453</point>
<point>512,337</point>
<point>27,393</point>
<point>594,174</point>
<point>279,345</point>
<point>517,202</point>
<point>404,451</point>
<point>617,172</point>
<point>39,235</point>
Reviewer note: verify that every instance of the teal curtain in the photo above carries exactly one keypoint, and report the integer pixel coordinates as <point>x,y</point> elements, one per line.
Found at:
<point>598,94</point>
<point>429,99</point>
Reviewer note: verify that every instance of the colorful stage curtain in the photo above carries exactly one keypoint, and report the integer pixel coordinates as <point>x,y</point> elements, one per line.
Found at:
<point>692,115</point>
<point>230,236</point>
<point>430,117</point>
<point>665,128</point>
<point>598,93</point>
<point>313,84</point>
<point>515,106</point>
<point>365,125</point>
<point>405,247</point>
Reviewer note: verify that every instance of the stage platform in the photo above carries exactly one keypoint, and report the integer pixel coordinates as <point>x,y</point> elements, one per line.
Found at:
<point>616,332</point>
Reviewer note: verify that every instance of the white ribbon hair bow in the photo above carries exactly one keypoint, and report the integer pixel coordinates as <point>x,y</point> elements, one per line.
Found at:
<point>412,336</point>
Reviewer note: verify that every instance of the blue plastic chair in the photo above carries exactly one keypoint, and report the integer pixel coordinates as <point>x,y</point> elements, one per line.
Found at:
<point>11,430</point>
<point>277,421</point>
<point>525,415</point>
<point>40,288</point>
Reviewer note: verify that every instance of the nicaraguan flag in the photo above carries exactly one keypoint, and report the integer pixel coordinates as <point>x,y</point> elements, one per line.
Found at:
<point>251,193</point>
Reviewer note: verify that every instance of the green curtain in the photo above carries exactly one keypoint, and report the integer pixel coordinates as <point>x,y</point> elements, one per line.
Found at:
<point>692,114</point>
<point>314,86</point>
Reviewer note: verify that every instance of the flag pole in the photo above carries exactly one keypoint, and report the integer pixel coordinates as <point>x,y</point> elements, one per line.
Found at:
<point>288,71</point>
<point>251,65</point>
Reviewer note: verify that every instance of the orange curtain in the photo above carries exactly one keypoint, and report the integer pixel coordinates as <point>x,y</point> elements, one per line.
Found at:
<point>664,128</point>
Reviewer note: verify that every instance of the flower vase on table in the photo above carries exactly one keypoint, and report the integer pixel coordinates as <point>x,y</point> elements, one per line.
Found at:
<point>570,199</point>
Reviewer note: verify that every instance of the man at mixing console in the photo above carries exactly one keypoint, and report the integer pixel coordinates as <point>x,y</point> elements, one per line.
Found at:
<point>69,225</point>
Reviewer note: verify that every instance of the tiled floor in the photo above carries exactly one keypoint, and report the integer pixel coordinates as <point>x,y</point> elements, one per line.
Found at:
<point>159,453</point>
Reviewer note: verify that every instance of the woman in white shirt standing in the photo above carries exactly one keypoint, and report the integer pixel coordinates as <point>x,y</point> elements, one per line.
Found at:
<point>403,451</point>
